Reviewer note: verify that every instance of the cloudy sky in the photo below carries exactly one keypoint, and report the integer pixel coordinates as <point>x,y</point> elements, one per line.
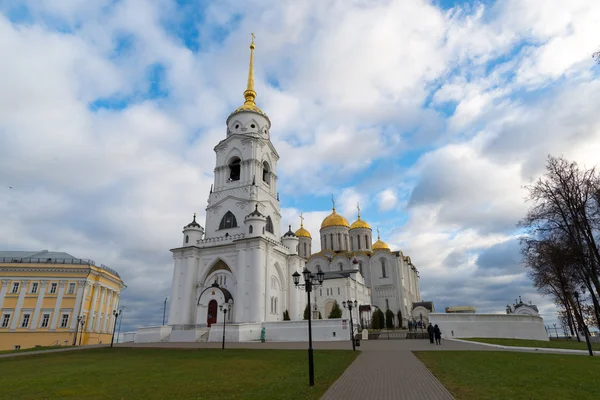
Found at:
<point>433,114</point>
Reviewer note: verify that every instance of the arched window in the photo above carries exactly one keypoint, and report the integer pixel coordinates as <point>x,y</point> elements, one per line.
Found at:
<point>305,252</point>
<point>228,221</point>
<point>187,239</point>
<point>266,171</point>
<point>367,242</point>
<point>234,169</point>
<point>383,268</point>
<point>270,225</point>
<point>341,266</point>
<point>339,241</point>
<point>331,240</point>
<point>358,241</point>
<point>250,229</point>
<point>360,267</point>
<point>275,305</point>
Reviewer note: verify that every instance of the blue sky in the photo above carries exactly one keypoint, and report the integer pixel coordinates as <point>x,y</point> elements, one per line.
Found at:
<point>432,114</point>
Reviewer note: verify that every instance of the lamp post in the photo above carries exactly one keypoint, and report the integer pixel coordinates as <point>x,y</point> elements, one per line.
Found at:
<point>79,318</point>
<point>82,322</point>
<point>116,315</point>
<point>350,305</point>
<point>587,338</point>
<point>225,309</point>
<point>310,281</point>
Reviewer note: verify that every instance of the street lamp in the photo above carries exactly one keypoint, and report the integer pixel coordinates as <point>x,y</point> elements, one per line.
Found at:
<point>81,322</point>
<point>350,305</point>
<point>116,314</point>
<point>310,281</point>
<point>585,332</point>
<point>225,309</point>
<point>79,318</point>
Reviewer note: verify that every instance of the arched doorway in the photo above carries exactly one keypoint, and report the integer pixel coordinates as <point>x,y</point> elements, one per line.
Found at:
<point>211,317</point>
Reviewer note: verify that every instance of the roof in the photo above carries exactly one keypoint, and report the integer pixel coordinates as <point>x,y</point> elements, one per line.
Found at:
<point>289,233</point>
<point>193,224</point>
<point>54,257</point>
<point>334,219</point>
<point>527,305</point>
<point>338,274</point>
<point>426,304</point>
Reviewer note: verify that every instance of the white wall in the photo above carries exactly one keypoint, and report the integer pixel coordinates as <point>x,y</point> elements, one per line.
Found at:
<point>152,334</point>
<point>297,331</point>
<point>490,326</point>
<point>235,332</point>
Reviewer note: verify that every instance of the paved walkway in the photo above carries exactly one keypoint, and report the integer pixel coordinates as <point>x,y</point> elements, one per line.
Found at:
<point>69,348</point>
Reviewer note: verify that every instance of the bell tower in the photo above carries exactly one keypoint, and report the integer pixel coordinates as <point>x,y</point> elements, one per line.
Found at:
<point>245,175</point>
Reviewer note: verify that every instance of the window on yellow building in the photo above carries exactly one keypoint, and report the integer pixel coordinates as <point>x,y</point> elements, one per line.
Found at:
<point>71,288</point>
<point>25,322</point>
<point>53,287</point>
<point>45,320</point>
<point>5,320</point>
<point>65,321</point>
<point>34,287</point>
<point>15,288</point>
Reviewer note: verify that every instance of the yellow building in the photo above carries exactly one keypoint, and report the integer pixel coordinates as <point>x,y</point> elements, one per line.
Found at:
<point>52,298</point>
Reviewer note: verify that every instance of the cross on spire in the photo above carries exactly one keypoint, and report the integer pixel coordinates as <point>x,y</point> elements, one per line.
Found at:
<point>301,220</point>
<point>333,202</point>
<point>378,233</point>
<point>358,208</point>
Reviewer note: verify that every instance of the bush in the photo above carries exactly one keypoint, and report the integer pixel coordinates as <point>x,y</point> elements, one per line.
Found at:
<point>400,319</point>
<point>389,319</point>
<point>320,316</point>
<point>377,320</point>
<point>286,315</point>
<point>336,311</point>
<point>306,312</point>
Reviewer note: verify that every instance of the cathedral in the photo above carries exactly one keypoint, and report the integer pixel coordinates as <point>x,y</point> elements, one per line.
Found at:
<point>238,267</point>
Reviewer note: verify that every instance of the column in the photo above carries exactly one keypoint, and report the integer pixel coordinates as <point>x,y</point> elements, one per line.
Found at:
<point>38,305</point>
<point>239,300</point>
<point>78,301</point>
<point>5,283</point>
<point>100,308</point>
<point>255,289</point>
<point>109,309</point>
<point>115,306</point>
<point>55,316</point>
<point>90,317</point>
<point>189,289</point>
<point>174,307</point>
<point>16,315</point>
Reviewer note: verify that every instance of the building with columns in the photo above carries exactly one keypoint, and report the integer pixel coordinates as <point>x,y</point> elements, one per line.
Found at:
<point>241,262</point>
<point>48,297</point>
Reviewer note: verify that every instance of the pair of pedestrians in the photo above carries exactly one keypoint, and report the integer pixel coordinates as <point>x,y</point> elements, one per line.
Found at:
<point>434,332</point>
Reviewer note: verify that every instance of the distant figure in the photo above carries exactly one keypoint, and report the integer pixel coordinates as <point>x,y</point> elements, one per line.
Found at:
<point>438,335</point>
<point>430,330</point>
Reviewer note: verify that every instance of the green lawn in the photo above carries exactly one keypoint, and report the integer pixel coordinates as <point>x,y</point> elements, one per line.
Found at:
<point>491,375</point>
<point>32,349</point>
<point>136,373</point>
<point>553,344</point>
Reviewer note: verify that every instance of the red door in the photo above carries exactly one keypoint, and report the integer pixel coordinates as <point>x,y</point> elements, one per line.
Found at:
<point>211,318</point>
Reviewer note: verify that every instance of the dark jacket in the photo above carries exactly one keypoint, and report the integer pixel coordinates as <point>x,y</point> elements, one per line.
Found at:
<point>430,329</point>
<point>437,332</point>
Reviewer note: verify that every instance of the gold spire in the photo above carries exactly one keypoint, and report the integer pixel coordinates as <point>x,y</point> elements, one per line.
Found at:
<point>302,232</point>
<point>301,220</point>
<point>249,93</point>
<point>359,223</point>
<point>380,244</point>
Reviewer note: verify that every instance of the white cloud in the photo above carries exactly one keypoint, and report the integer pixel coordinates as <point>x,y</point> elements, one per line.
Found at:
<point>387,199</point>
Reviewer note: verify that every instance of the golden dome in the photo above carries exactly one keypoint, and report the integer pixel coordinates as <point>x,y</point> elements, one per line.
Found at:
<point>303,232</point>
<point>380,245</point>
<point>359,223</point>
<point>334,219</point>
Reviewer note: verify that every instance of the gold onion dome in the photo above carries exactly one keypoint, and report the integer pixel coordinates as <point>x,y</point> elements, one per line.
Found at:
<point>380,244</point>
<point>249,93</point>
<point>334,219</point>
<point>359,223</point>
<point>302,232</point>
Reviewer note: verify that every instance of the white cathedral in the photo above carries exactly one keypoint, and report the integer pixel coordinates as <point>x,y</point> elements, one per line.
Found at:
<point>240,262</point>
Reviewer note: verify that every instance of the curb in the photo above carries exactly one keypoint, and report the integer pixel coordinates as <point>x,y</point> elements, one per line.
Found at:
<point>531,349</point>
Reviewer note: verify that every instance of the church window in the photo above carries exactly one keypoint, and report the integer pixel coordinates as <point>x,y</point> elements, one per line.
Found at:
<point>305,252</point>
<point>275,308</point>
<point>187,239</point>
<point>338,291</point>
<point>228,221</point>
<point>383,268</point>
<point>237,126</point>
<point>263,230</point>
<point>250,229</point>
<point>367,242</point>
<point>320,293</point>
<point>271,305</point>
<point>331,240</point>
<point>253,126</point>
<point>224,280</point>
<point>339,241</point>
<point>360,267</point>
<point>234,169</point>
<point>387,303</point>
<point>266,172</point>
<point>270,225</point>
<point>341,266</point>
<point>358,240</point>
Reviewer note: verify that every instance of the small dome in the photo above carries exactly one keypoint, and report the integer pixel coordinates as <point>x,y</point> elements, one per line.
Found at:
<point>359,223</point>
<point>334,219</point>
<point>289,233</point>
<point>380,245</point>
<point>193,224</point>
<point>302,232</point>
<point>255,213</point>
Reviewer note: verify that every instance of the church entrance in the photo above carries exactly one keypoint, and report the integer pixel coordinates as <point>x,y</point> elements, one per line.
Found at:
<point>211,317</point>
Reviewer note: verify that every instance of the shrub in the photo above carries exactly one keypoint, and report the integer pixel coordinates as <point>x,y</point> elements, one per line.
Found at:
<point>336,311</point>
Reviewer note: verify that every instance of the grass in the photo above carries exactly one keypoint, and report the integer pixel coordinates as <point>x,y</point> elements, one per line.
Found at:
<point>553,344</point>
<point>41,348</point>
<point>136,373</point>
<point>491,375</point>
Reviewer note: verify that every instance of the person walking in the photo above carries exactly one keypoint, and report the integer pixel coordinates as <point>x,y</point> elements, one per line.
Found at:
<point>430,330</point>
<point>438,335</point>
